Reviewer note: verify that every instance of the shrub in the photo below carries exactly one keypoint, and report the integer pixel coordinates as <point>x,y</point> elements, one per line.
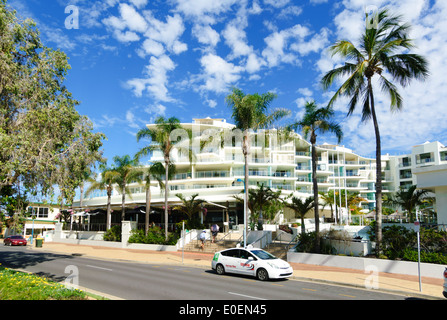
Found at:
<point>428,257</point>
<point>154,236</point>
<point>113,234</point>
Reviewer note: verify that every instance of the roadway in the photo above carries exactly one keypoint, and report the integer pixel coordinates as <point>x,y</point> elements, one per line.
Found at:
<point>143,281</point>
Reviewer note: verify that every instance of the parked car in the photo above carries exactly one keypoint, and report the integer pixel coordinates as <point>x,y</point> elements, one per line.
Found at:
<point>252,262</point>
<point>445,283</point>
<point>15,241</point>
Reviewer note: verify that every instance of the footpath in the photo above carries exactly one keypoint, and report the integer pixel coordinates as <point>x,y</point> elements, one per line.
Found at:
<point>385,282</point>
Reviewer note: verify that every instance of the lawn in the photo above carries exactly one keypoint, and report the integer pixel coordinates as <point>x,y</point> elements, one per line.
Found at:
<point>15,285</point>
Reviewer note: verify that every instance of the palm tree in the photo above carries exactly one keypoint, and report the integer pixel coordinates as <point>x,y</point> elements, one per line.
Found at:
<point>153,172</point>
<point>317,120</point>
<point>126,171</point>
<point>190,207</point>
<point>259,200</point>
<point>301,208</point>
<point>106,182</point>
<point>383,52</point>
<point>249,112</point>
<point>407,199</point>
<point>160,137</point>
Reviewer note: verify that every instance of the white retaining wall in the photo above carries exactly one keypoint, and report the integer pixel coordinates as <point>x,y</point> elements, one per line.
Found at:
<point>368,264</point>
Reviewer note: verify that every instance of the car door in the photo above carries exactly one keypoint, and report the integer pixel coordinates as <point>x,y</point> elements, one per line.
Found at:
<point>229,259</point>
<point>246,263</point>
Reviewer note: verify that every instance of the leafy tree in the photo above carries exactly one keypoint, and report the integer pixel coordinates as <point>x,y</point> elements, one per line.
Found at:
<point>262,201</point>
<point>191,207</point>
<point>125,171</point>
<point>106,182</point>
<point>250,112</point>
<point>301,208</point>
<point>383,52</point>
<point>155,171</point>
<point>407,199</point>
<point>317,120</point>
<point>43,140</point>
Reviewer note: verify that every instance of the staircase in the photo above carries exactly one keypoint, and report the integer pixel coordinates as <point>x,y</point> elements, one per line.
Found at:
<point>229,242</point>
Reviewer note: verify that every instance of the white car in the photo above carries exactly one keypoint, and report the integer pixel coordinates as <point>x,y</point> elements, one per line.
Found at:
<point>252,262</point>
<point>445,283</point>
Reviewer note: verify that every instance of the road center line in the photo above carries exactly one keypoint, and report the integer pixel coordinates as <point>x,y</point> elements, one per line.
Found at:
<point>95,267</point>
<point>243,295</point>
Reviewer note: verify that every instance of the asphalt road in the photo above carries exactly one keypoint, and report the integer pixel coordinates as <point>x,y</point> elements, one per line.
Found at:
<point>138,281</point>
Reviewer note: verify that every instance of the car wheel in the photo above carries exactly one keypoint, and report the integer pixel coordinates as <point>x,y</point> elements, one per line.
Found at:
<point>220,269</point>
<point>262,275</point>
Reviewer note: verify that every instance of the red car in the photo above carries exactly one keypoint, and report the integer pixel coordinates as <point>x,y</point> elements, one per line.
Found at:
<point>15,241</point>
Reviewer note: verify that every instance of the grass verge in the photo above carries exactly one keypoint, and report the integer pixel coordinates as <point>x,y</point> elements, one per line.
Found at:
<point>16,285</point>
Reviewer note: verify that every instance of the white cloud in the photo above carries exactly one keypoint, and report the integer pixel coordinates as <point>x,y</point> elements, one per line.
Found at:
<point>168,32</point>
<point>219,74</point>
<point>156,80</point>
<point>206,35</point>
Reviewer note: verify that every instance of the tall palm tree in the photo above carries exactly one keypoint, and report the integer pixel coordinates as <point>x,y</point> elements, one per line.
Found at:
<point>160,137</point>
<point>126,171</point>
<point>382,53</point>
<point>250,112</point>
<point>407,199</point>
<point>317,120</point>
<point>154,172</point>
<point>301,208</point>
<point>106,182</point>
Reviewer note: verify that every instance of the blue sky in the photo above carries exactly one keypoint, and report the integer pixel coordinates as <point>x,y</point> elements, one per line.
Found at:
<point>134,60</point>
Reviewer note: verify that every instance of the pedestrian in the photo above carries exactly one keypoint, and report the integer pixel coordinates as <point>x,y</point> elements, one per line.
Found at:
<point>214,231</point>
<point>202,238</point>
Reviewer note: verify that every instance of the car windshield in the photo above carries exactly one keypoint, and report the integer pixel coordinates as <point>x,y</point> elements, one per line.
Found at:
<point>263,255</point>
<point>16,237</point>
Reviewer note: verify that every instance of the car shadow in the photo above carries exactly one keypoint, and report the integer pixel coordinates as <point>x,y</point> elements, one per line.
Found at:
<point>243,276</point>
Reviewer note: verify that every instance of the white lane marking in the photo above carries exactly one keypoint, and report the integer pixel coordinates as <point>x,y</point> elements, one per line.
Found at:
<point>95,267</point>
<point>243,295</point>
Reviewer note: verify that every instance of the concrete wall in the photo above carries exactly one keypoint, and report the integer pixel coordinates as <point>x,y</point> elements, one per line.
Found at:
<point>367,264</point>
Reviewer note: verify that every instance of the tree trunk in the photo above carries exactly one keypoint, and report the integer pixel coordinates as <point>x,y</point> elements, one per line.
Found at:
<point>378,173</point>
<point>166,198</point>
<point>123,204</point>
<point>148,209</point>
<point>315,186</point>
<point>246,152</point>
<point>109,209</point>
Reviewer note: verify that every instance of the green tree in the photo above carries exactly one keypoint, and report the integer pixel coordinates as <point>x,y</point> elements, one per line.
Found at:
<point>161,140</point>
<point>250,112</point>
<point>317,120</point>
<point>261,201</point>
<point>191,207</point>
<point>43,140</point>
<point>407,199</point>
<point>106,181</point>
<point>383,52</point>
<point>126,171</point>
<point>301,208</point>
<point>155,172</point>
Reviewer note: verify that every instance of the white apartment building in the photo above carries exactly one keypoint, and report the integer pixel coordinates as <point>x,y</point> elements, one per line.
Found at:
<point>217,171</point>
<point>402,167</point>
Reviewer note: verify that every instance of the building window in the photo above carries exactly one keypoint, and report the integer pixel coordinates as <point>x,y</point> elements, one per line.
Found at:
<point>42,213</point>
